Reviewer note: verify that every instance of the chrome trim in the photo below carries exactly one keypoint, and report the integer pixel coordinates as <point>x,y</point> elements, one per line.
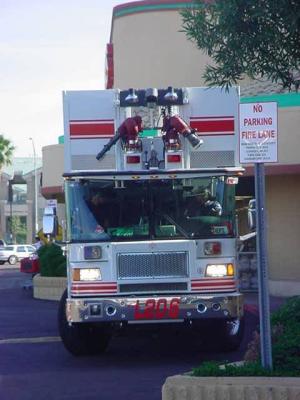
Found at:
<point>231,307</point>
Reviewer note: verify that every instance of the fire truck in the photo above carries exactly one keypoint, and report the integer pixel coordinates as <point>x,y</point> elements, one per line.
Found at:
<point>149,180</point>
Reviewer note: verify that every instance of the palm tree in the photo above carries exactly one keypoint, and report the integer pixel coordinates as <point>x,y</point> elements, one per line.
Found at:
<point>6,151</point>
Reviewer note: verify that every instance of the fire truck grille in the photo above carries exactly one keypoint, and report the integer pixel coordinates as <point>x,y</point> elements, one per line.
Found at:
<point>150,265</point>
<point>153,287</point>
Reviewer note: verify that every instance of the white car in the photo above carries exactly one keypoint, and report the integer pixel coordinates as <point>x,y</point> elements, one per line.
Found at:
<point>13,253</point>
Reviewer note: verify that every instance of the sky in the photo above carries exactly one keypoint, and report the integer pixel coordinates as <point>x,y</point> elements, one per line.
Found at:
<point>47,46</point>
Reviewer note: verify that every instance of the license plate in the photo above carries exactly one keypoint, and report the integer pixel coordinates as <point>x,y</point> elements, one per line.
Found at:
<point>157,309</point>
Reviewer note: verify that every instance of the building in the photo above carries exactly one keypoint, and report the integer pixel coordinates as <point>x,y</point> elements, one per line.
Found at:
<point>148,49</point>
<point>17,201</point>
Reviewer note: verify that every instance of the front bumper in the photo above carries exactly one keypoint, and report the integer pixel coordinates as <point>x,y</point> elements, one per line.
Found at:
<point>158,308</point>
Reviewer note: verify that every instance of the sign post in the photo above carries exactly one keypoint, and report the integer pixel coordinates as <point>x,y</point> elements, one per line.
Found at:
<point>259,144</point>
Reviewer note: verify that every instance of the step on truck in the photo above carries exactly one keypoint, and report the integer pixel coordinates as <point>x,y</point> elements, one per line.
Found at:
<point>149,182</point>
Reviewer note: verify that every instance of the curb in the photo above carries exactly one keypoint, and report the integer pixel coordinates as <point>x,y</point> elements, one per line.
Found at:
<point>48,288</point>
<point>230,388</point>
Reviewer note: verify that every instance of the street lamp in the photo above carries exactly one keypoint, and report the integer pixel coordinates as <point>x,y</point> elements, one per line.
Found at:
<point>35,188</point>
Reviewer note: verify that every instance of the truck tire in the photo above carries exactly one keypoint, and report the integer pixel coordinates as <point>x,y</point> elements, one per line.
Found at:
<point>82,339</point>
<point>232,334</point>
<point>224,335</point>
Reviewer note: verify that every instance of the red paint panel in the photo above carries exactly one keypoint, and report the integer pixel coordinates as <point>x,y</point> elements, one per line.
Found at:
<point>212,284</point>
<point>213,290</point>
<point>109,72</point>
<point>97,129</point>
<point>94,287</point>
<point>83,288</point>
<point>213,126</point>
<point>94,290</point>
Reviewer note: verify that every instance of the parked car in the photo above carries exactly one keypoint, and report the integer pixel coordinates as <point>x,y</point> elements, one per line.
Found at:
<point>13,253</point>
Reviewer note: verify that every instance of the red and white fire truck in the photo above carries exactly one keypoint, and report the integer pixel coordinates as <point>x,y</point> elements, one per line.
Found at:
<point>150,181</point>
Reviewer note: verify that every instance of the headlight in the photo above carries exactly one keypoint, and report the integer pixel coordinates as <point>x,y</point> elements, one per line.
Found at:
<point>219,270</point>
<point>86,274</point>
<point>92,252</point>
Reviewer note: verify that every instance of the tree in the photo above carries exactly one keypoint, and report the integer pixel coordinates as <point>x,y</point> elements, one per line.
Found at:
<point>257,38</point>
<point>6,151</point>
<point>18,229</point>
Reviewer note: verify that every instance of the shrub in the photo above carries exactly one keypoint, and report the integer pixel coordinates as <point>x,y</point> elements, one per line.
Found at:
<point>52,261</point>
<point>285,329</point>
<point>286,335</point>
<point>213,368</point>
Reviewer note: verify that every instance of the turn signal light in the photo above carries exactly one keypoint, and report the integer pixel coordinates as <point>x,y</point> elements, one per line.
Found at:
<point>230,269</point>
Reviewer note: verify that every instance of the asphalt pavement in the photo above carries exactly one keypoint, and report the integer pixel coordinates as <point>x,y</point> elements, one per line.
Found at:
<point>34,364</point>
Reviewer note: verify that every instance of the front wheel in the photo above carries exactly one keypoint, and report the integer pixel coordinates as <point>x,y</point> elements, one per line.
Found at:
<point>82,339</point>
<point>13,260</point>
<point>232,334</point>
<point>224,335</point>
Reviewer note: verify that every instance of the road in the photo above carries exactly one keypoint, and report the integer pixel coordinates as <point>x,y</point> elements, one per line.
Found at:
<point>34,364</point>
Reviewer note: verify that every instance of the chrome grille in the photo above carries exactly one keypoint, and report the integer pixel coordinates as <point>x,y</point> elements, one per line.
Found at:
<point>153,265</point>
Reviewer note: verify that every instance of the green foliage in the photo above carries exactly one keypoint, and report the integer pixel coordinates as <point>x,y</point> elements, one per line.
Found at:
<point>212,368</point>
<point>286,335</point>
<point>17,225</point>
<point>288,312</point>
<point>285,327</point>
<point>258,38</point>
<point>52,260</point>
<point>6,151</point>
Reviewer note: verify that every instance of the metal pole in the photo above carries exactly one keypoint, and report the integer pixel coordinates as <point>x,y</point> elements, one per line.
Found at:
<point>10,200</point>
<point>262,268</point>
<point>35,189</point>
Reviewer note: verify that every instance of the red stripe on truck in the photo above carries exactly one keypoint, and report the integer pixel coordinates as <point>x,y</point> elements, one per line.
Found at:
<point>213,125</point>
<point>101,128</point>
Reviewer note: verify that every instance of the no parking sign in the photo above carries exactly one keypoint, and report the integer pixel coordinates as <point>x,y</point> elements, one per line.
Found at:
<point>258,133</point>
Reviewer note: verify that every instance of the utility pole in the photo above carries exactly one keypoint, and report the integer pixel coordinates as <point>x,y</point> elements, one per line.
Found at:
<point>35,189</point>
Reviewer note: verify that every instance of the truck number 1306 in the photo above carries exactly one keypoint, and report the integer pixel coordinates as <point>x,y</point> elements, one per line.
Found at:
<point>157,309</point>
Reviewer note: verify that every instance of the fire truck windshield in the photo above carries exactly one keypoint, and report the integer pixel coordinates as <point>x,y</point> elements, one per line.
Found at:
<point>129,210</point>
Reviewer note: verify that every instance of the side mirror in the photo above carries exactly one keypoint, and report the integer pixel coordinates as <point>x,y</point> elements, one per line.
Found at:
<point>252,215</point>
<point>50,223</point>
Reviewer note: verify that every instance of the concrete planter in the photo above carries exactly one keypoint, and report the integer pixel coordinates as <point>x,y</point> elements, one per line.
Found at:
<point>230,388</point>
<point>48,288</point>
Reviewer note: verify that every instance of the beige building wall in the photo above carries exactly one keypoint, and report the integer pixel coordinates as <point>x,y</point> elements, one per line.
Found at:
<point>150,51</point>
<point>53,166</point>
<point>289,135</point>
<point>283,207</point>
